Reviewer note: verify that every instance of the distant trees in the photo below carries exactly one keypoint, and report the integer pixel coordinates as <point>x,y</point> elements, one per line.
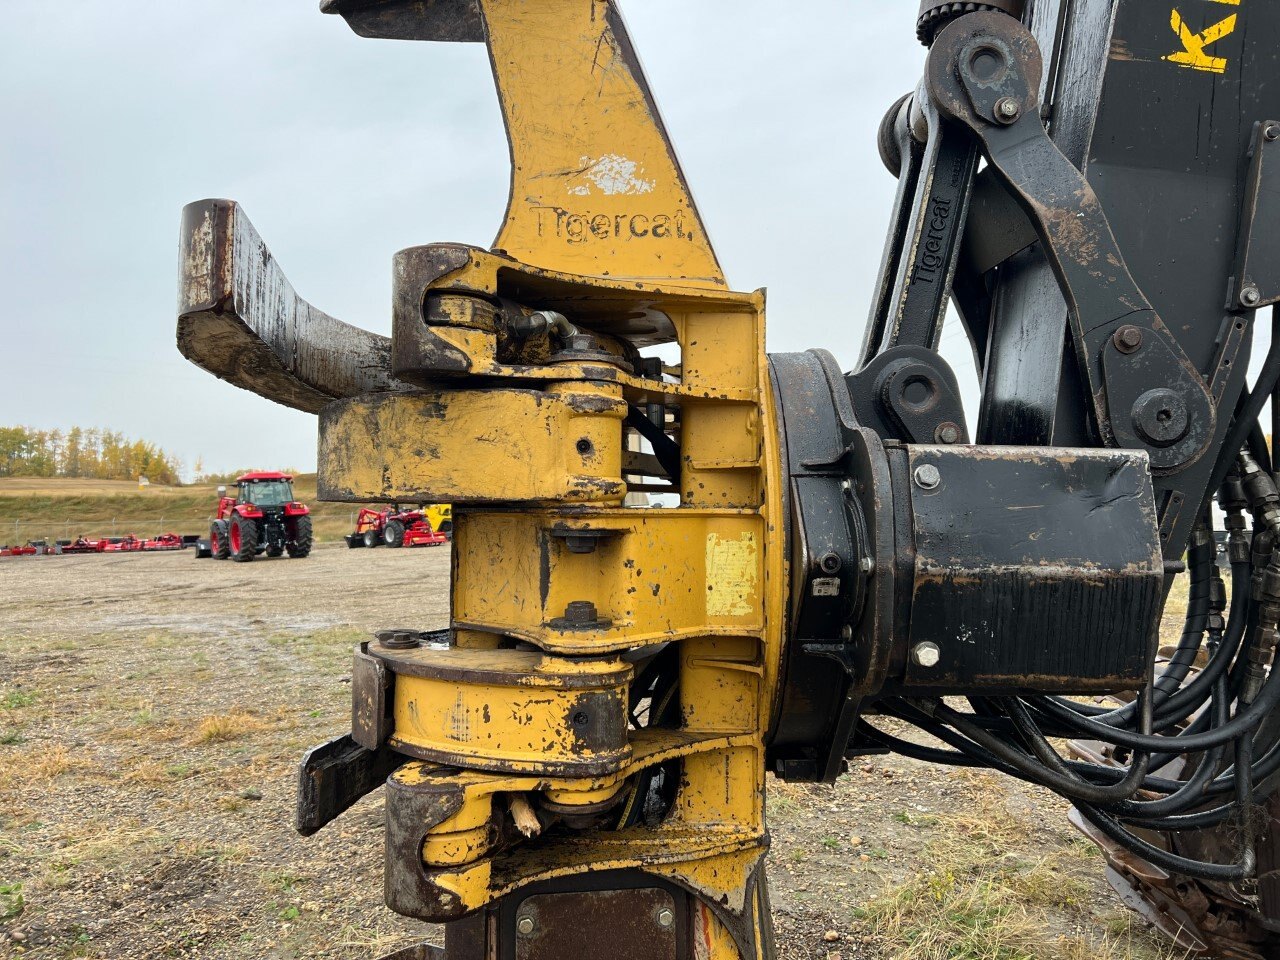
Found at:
<point>92,454</point>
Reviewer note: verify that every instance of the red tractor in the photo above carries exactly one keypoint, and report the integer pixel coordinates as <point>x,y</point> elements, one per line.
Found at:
<point>262,517</point>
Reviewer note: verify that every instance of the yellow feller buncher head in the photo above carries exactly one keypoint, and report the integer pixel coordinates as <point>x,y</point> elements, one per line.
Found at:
<point>680,564</point>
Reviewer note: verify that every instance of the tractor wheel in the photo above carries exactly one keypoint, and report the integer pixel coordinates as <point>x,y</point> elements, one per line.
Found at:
<point>446,527</point>
<point>274,552</point>
<point>244,539</point>
<point>300,545</point>
<point>394,534</point>
<point>371,538</point>
<point>219,540</point>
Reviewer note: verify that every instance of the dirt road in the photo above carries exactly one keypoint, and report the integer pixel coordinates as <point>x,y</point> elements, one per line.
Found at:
<point>153,709</point>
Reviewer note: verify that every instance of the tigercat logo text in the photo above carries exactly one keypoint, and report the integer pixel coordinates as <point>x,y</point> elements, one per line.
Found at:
<point>585,227</point>
<point>930,262</point>
<point>1196,52</point>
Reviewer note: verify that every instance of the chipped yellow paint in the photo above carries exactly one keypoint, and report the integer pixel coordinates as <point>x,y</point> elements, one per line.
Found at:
<point>1194,55</point>
<point>595,185</point>
<point>733,574</point>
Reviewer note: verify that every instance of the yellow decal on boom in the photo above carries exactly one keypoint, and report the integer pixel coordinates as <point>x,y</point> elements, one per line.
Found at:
<point>1193,55</point>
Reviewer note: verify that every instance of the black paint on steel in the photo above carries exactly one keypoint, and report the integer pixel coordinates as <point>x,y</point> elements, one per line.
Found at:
<point>333,776</point>
<point>1257,274</point>
<point>980,65</point>
<point>1035,569</point>
<point>909,394</point>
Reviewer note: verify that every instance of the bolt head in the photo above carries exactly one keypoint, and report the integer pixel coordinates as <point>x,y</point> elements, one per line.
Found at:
<point>927,655</point>
<point>525,925</point>
<point>846,633</point>
<point>867,565</point>
<point>666,918</point>
<point>928,477</point>
<point>1008,109</point>
<point>1128,339</point>
<point>1271,132</point>
<point>1250,296</point>
<point>947,433</point>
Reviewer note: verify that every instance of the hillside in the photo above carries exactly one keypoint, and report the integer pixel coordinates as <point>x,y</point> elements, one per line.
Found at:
<point>38,508</point>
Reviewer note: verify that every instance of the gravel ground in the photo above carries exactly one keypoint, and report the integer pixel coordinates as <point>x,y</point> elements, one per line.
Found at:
<point>153,709</point>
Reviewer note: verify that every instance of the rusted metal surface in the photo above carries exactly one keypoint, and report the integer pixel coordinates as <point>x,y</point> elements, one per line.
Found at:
<point>553,926</point>
<point>370,701</point>
<point>333,776</point>
<point>447,20</point>
<point>240,319</point>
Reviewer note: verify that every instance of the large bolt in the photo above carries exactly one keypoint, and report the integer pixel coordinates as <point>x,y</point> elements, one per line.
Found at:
<point>525,925</point>
<point>1128,339</point>
<point>1008,109</point>
<point>927,655</point>
<point>1271,132</point>
<point>928,477</point>
<point>581,611</point>
<point>947,433</point>
<point>1250,296</point>
<point>666,918</point>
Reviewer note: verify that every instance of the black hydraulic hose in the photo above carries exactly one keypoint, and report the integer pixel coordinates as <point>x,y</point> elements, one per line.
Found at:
<point>1064,783</point>
<point>1163,858</point>
<point>906,711</point>
<point>1247,413</point>
<point>1244,721</point>
<point>918,751</point>
<point>1187,700</point>
<point>1085,790</point>
<point>1193,792</point>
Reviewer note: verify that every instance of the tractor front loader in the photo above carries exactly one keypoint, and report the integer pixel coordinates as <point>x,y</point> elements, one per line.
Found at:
<point>576,766</point>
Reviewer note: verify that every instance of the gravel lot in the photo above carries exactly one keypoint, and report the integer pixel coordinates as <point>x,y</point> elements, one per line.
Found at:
<point>153,709</point>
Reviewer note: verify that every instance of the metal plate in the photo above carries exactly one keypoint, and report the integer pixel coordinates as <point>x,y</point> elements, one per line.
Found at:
<point>617,923</point>
<point>1036,568</point>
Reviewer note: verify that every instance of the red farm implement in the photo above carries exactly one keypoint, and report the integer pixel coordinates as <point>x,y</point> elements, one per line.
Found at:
<point>427,526</point>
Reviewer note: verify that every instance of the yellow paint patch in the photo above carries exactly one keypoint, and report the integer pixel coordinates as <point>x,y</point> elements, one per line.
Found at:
<point>732,575</point>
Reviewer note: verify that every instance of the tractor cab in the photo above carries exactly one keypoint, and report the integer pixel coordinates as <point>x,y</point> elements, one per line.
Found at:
<point>267,491</point>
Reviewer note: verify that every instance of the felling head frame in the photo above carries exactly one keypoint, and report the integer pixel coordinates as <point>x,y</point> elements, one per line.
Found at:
<point>679,563</point>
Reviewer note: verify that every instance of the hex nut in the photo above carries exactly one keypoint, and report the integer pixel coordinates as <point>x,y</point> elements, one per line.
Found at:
<point>525,925</point>
<point>1250,296</point>
<point>927,655</point>
<point>666,918</point>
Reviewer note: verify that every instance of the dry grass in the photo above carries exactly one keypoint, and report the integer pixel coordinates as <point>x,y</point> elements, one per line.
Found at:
<point>224,727</point>
<point>992,892</point>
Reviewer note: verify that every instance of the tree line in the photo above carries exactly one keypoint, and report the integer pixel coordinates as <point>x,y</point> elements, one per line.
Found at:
<point>89,453</point>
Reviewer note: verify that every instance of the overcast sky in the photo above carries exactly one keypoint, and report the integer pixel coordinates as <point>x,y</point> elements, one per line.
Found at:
<point>344,150</point>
